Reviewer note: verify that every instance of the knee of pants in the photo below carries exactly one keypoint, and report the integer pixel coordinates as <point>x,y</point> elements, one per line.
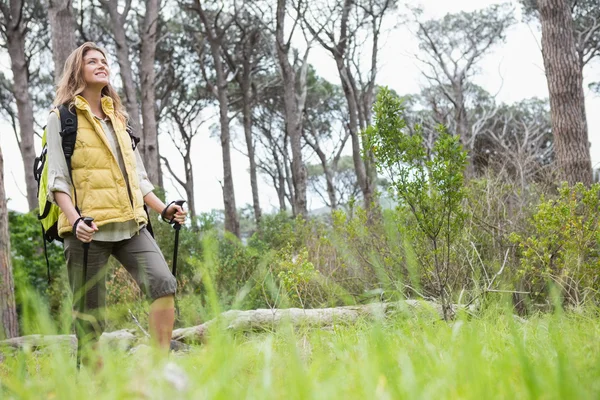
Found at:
<point>164,287</point>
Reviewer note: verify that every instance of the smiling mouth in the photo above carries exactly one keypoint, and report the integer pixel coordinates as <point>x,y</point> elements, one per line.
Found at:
<point>102,74</point>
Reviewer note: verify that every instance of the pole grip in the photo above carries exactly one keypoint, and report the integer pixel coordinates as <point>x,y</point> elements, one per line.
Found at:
<point>177,225</point>
<point>88,221</point>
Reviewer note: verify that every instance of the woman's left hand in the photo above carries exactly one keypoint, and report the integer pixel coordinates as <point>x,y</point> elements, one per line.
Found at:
<point>177,212</point>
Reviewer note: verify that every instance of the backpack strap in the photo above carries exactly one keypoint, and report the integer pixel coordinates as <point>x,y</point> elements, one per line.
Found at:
<point>68,133</point>
<point>38,168</point>
<point>135,140</point>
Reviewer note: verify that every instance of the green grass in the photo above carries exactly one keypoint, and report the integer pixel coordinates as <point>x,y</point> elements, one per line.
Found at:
<point>489,357</point>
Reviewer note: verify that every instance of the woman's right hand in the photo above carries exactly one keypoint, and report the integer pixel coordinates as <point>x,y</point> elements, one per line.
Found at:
<point>85,233</point>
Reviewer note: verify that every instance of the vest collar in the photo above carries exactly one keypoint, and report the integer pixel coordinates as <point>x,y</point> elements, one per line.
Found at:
<point>107,104</point>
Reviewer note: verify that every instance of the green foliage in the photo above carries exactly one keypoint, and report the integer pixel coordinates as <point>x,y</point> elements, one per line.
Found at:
<point>465,36</point>
<point>430,183</point>
<point>29,264</point>
<point>275,232</point>
<point>491,357</point>
<point>427,183</point>
<point>237,273</point>
<point>28,251</point>
<point>368,254</point>
<point>563,244</point>
<point>295,272</point>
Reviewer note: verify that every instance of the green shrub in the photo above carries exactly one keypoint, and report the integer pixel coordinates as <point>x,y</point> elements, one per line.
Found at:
<point>276,232</point>
<point>238,272</point>
<point>29,263</point>
<point>564,245</point>
<point>429,183</point>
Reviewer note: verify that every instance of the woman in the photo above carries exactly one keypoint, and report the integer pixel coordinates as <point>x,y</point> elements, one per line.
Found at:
<point>107,182</point>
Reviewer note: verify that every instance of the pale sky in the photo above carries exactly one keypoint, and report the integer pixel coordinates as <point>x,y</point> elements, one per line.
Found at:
<point>514,70</point>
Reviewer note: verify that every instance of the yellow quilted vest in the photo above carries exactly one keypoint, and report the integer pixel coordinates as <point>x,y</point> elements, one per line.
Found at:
<point>98,180</point>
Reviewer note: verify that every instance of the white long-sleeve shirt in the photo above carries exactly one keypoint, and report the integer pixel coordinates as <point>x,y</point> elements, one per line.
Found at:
<point>60,181</point>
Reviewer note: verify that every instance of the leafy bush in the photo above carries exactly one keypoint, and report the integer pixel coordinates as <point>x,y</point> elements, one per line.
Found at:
<point>237,272</point>
<point>367,253</point>
<point>29,263</point>
<point>276,232</point>
<point>427,183</point>
<point>564,245</point>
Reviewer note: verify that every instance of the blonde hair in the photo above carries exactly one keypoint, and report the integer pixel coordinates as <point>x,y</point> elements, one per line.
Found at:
<point>72,83</point>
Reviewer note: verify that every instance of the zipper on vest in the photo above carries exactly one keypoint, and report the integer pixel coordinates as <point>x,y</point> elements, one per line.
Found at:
<point>104,140</point>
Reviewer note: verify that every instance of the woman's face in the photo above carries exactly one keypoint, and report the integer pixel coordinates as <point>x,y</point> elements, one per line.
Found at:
<point>95,69</point>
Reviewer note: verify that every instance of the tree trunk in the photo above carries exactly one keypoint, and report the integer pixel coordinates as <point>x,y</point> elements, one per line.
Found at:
<point>148,80</point>
<point>293,113</point>
<point>565,79</point>
<point>8,310</point>
<point>326,172</point>
<point>188,182</point>
<point>62,27</point>
<point>19,67</point>
<point>583,111</point>
<point>353,126</point>
<point>247,111</point>
<point>189,190</point>
<point>463,128</point>
<point>279,183</point>
<point>330,189</point>
<point>123,58</point>
<point>289,181</point>
<point>232,223</point>
<point>357,119</point>
<point>281,192</point>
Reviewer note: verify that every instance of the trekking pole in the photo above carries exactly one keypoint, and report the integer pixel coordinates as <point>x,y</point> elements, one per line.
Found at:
<point>86,247</point>
<point>177,227</point>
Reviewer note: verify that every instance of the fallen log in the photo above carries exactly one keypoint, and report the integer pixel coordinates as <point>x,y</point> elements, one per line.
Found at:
<point>123,338</point>
<point>243,321</point>
<point>271,319</point>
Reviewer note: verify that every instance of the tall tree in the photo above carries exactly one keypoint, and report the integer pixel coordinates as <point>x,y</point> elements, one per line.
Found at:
<point>515,140</point>
<point>16,16</point>
<point>294,97</point>
<point>452,47</point>
<point>8,311</point>
<point>185,116</point>
<point>339,26</point>
<point>586,25</point>
<point>567,46</point>
<point>216,24</point>
<point>340,187</point>
<point>118,21</point>
<point>272,155</point>
<point>326,132</point>
<point>63,28</point>
<point>431,107</point>
<point>149,39</point>
<point>182,98</point>
<point>245,57</point>
<point>518,141</point>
